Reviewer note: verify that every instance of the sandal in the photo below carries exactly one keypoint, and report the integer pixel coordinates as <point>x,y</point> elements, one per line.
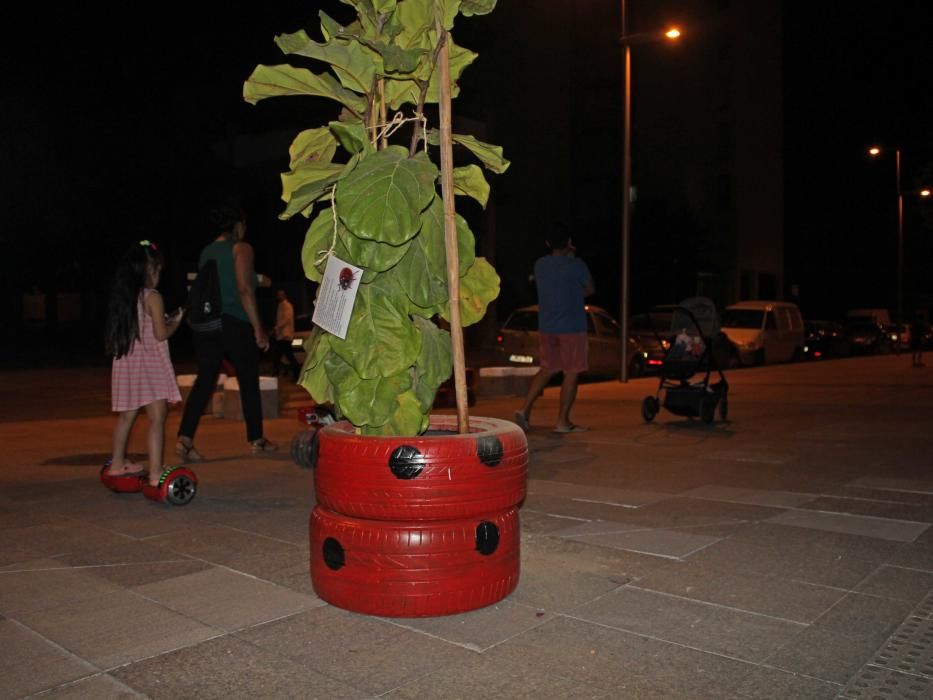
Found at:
<point>128,469</point>
<point>263,445</point>
<point>187,452</point>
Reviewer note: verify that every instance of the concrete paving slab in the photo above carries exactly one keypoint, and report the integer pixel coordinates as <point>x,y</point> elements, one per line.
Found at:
<point>837,645</point>
<point>332,642</point>
<point>481,629</point>
<point>100,686</point>
<point>589,654</point>
<point>887,509</point>
<point>135,574</point>
<point>115,629</point>
<point>230,668</point>
<point>24,652</point>
<point>883,483</point>
<point>754,497</point>
<point>874,682</point>
<point>660,543</point>
<point>703,626</point>
<point>226,599</point>
<point>762,683</point>
<point>765,594</point>
<point>498,679</point>
<point>898,583</point>
<point>914,555</point>
<point>47,583</point>
<point>883,528</point>
<point>626,498</point>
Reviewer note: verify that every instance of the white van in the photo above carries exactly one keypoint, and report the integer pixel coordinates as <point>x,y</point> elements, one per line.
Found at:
<point>765,331</point>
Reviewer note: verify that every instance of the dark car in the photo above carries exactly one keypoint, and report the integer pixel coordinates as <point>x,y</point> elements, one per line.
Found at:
<point>659,320</point>
<point>517,343</point>
<point>826,339</point>
<point>869,338</point>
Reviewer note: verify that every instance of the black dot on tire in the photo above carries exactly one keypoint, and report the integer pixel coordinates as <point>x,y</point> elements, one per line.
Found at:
<point>489,450</point>
<point>406,462</point>
<point>487,538</point>
<point>333,554</point>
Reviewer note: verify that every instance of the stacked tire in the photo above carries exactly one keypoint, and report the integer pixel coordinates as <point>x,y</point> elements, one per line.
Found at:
<point>418,526</point>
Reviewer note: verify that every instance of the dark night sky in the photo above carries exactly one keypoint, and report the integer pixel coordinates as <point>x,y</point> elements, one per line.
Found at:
<point>112,118</point>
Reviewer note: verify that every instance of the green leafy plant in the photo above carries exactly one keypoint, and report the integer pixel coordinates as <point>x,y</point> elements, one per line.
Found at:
<point>375,203</point>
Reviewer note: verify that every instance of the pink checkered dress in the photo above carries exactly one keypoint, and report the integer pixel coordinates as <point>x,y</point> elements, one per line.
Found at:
<point>145,374</point>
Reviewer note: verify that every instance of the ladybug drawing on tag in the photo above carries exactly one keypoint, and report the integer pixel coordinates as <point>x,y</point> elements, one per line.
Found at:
<point>346,277</point>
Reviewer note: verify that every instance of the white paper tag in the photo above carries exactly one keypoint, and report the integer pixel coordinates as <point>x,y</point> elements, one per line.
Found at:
<point>336,296</point>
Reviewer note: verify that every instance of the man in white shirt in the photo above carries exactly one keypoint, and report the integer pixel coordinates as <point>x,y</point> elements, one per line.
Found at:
<point>284,332</point>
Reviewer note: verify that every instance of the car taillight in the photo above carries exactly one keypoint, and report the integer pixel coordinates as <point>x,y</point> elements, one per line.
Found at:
<point>499,338</point>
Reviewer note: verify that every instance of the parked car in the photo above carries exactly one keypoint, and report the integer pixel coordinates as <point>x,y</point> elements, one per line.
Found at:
<point>826,339</point>
<point>659,320</point>
<point>899,338</point>
<point>869,338</point>
<point>765,331</point>
<point>517,343</point>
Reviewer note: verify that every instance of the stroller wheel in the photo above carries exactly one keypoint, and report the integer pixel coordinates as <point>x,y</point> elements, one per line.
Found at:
<point>724,408</point>
<point>708,409</point>
<point>649,408</point>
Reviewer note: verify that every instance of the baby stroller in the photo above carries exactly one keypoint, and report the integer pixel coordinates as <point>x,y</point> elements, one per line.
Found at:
<point>694,326</point>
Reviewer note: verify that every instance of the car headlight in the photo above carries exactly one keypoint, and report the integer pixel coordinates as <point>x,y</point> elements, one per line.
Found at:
<point>298,343</point>
<point>522,359</point>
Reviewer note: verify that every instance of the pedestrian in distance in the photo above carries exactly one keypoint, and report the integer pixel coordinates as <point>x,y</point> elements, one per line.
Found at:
<point>284,332</point>
<point>240,339</point>
<point>142,376</point>
<point>563,282</point>
<point>918,331</point>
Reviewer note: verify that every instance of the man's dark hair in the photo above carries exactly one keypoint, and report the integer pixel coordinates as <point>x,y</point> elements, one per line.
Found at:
<point>222,217</point>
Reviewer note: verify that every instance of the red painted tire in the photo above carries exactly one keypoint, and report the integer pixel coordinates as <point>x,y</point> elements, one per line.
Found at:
<point>428,477</point>
<point>121,484</point>
<point>177,486</point>
<point>398,569</point>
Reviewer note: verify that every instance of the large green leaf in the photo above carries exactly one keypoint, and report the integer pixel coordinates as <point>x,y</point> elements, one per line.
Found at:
<point>372,255</point>
<point>434,246</point>
<point>478,287</point>
<point>469,180</point>
<point>277,81</point>
<point>318,240</point>
<point>311,180</point>
<point>381,340</point>
<point>319,182</point>
<point>355,64</point>
<point>312,146</point>
<point>424,285</point>
<point>365,401</point>
<point>406,420</point>
<point>489,155</point>
<point>477,7</point>
<point>353,137</point>
<point>407,91</point>
<point>314,375</point>
<point>434,364</point>
<point>383,197</point>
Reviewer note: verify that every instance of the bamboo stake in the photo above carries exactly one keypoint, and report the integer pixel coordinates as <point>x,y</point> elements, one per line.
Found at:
<point>383,113</point>
<point>450,232</point>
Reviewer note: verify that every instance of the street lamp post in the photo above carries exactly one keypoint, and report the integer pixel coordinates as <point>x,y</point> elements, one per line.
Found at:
<point>626,195</point>
<point>627,40</point>
<point>876,151</point>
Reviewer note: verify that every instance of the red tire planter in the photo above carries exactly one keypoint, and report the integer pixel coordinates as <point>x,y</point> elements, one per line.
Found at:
<point>429,477</point>
<point>420,569</point>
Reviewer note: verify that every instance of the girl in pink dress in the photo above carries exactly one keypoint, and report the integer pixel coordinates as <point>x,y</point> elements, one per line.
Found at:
<point>142,374</point>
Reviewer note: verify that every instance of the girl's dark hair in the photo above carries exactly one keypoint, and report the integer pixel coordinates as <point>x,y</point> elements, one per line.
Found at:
<point>122,321</point>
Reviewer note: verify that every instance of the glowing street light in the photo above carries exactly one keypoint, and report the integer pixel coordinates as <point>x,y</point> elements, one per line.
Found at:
<point>627,40</point>
<point>876,152</point>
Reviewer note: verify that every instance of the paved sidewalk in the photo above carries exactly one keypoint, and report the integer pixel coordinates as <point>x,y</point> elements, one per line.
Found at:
<point>785,554</point>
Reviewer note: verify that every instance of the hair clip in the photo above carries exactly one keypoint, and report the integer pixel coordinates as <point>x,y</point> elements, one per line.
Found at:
<point>148,244</point>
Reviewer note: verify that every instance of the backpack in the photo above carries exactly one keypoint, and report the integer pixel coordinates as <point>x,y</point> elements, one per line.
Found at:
<point>204,303</point>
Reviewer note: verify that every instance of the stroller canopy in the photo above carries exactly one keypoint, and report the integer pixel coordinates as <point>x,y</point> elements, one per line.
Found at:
<point>703,310</point>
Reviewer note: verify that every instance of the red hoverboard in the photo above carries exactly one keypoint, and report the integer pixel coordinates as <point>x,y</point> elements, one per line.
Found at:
<point>177,485</point>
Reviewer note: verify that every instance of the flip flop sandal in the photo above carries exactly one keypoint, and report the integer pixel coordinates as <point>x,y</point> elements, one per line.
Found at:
<point>571,429</point>
<point>188,454</point>
<point>262,445</point>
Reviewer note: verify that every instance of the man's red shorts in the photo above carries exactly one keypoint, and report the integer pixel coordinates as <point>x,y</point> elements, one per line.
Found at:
<point>564,352</point>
